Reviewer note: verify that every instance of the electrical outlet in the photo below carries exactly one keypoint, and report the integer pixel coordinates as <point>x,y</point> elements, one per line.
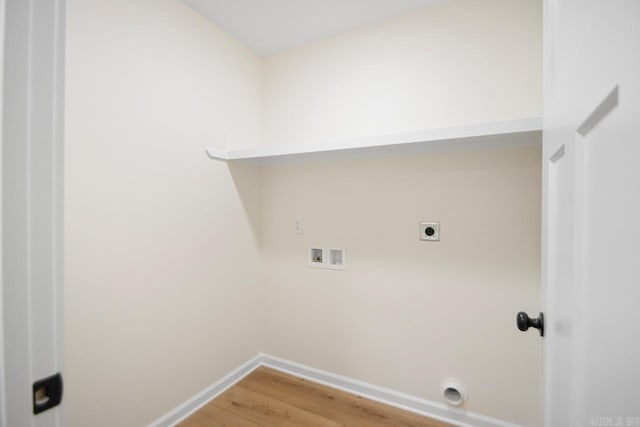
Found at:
<point>299,226</point>
<point>430,231</point>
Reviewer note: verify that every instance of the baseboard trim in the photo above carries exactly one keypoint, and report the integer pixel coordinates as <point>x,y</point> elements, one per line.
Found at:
<point>387,396</point>
<point>187,408</point>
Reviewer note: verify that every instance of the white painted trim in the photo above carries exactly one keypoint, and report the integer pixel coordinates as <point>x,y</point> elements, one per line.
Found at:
<point>32,203</point>
<point>484,135</point>
<point>438,411</point>
<point>3,393</point>
<point>384,395</point>
<point>205,396</point>
<point>59,78</point>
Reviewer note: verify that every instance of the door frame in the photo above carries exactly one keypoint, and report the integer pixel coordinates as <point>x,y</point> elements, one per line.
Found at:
<point>32,47</point>
<point>3,421</point>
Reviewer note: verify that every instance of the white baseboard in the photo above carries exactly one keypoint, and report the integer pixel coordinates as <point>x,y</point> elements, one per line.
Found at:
<point>187,408</point>
<point>394,398</point>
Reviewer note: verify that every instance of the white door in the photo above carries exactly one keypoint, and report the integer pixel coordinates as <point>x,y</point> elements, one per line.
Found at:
<point>592,213</point>
<point>32,201</point>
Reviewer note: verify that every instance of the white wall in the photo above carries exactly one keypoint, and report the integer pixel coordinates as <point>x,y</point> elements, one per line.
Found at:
<point>161,289</point>
<point>458,63</point>
<point>164,288</point>
<point>408,314</point>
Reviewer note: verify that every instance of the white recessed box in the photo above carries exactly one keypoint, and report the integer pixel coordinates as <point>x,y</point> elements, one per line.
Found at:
<point>317,257</point>
<point>337,259</point>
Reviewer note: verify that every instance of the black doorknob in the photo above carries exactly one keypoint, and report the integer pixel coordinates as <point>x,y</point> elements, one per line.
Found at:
<point>525,322</point>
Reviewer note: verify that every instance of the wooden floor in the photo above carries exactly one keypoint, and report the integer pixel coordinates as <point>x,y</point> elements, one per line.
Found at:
<point>270,398</point>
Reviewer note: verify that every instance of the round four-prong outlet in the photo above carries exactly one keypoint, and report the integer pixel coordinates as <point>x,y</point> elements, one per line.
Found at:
<point>430,231</point>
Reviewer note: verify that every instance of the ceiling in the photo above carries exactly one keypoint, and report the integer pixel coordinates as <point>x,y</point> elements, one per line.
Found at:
<point>270,26</point>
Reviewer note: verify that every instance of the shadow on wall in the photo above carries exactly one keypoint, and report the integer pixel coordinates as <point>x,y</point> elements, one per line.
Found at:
<point>246,178</point>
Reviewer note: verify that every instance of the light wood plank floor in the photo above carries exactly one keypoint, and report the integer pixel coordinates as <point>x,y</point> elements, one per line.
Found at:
<point>270,398</point>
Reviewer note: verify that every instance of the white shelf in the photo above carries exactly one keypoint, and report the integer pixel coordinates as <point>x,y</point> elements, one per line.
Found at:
<point>486,135</point>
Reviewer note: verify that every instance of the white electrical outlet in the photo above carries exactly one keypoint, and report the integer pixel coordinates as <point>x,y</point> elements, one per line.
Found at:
<point>430,231</point>
<point>299,226</point>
